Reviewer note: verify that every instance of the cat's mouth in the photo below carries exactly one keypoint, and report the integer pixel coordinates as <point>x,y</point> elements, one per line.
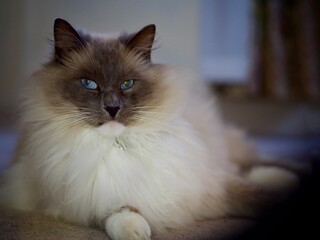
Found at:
<point>111,128</point>
<point>123,118</point>
<point>108,120</point>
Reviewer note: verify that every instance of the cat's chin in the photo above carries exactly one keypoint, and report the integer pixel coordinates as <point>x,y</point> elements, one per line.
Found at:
<point>111,128</point>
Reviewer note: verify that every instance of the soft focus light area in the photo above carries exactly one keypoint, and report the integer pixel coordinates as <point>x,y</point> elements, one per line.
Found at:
<point>212,36</point>
<point>8,140</point>
<point>225,40</point>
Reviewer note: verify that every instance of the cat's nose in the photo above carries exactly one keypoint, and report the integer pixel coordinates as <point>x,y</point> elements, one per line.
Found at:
<point>112,110</point>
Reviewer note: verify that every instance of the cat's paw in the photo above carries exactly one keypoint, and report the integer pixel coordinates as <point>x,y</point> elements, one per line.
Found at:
<point>274,178</point>
<point>127,225</point>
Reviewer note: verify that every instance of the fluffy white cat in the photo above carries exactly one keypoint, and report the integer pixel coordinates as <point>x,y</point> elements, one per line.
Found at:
<point>135,147</point>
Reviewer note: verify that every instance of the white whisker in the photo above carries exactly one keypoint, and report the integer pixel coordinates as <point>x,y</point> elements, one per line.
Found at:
<point>151,106</point>
<point>151,112</point>
<point>151,121</point>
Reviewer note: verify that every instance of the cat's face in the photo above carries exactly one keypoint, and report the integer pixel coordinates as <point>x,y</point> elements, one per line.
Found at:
<point>107,80</point>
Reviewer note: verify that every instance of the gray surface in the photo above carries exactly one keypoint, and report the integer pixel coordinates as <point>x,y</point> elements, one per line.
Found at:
<point>8,139</point>
<point>18,225</point>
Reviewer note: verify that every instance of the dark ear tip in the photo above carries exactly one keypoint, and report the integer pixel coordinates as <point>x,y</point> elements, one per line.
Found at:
<point>59,21</point>
<point>151,27</point>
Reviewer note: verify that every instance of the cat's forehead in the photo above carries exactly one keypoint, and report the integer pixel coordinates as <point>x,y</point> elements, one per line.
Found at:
<point>102,51</point>
<point>105,44</point>
<point>105,36</point>
<point>107,59</point>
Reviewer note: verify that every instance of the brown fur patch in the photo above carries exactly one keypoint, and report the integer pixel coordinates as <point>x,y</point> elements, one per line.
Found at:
<point>108,62</point>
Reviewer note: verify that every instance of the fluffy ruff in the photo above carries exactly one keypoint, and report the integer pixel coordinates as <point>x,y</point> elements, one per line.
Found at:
<point>175,167</point>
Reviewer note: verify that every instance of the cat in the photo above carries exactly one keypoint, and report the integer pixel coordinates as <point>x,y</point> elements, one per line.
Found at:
<point>111,138</point>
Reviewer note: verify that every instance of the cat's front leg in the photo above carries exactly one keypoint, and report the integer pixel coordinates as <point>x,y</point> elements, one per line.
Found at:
<point>127,224</point>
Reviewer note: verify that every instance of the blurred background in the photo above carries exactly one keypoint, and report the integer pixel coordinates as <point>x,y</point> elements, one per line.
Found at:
<point>260,57</point>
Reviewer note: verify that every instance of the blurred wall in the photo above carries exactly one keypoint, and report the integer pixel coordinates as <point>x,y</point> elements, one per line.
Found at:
<point>26,26</point>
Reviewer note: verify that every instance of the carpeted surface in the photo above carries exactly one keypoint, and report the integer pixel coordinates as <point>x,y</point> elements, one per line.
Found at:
<point>16,225</point>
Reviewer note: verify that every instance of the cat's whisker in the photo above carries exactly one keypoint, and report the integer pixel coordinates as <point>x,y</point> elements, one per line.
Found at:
<point>150,121</point>
<point>69,119</point>
<point>151,112</point>
<point>152,106</point>
<point>65,122</point>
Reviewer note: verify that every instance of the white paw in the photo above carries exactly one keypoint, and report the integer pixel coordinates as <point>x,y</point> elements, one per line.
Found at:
<point>274,178</point>
<point>127,225</point>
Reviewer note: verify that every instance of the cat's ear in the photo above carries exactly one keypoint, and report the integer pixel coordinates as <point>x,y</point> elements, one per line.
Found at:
<point>143,40</point>
<point>66,39</point>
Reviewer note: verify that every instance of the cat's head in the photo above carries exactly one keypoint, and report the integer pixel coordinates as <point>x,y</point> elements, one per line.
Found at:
<point>104,82</point>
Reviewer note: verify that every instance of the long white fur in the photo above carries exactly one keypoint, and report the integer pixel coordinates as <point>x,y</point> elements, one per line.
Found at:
<point>172,167</point>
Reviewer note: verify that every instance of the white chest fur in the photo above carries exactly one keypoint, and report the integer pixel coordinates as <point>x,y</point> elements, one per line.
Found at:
<point>84,174</point>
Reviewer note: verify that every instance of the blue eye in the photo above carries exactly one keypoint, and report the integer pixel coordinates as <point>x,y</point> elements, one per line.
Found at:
<point>89,84</point>
<point>126,84</point>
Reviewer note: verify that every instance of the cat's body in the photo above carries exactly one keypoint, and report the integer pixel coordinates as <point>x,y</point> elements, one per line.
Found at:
<point>160,158</point>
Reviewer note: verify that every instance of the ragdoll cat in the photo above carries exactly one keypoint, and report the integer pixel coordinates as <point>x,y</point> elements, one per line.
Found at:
<point>110,138</point>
